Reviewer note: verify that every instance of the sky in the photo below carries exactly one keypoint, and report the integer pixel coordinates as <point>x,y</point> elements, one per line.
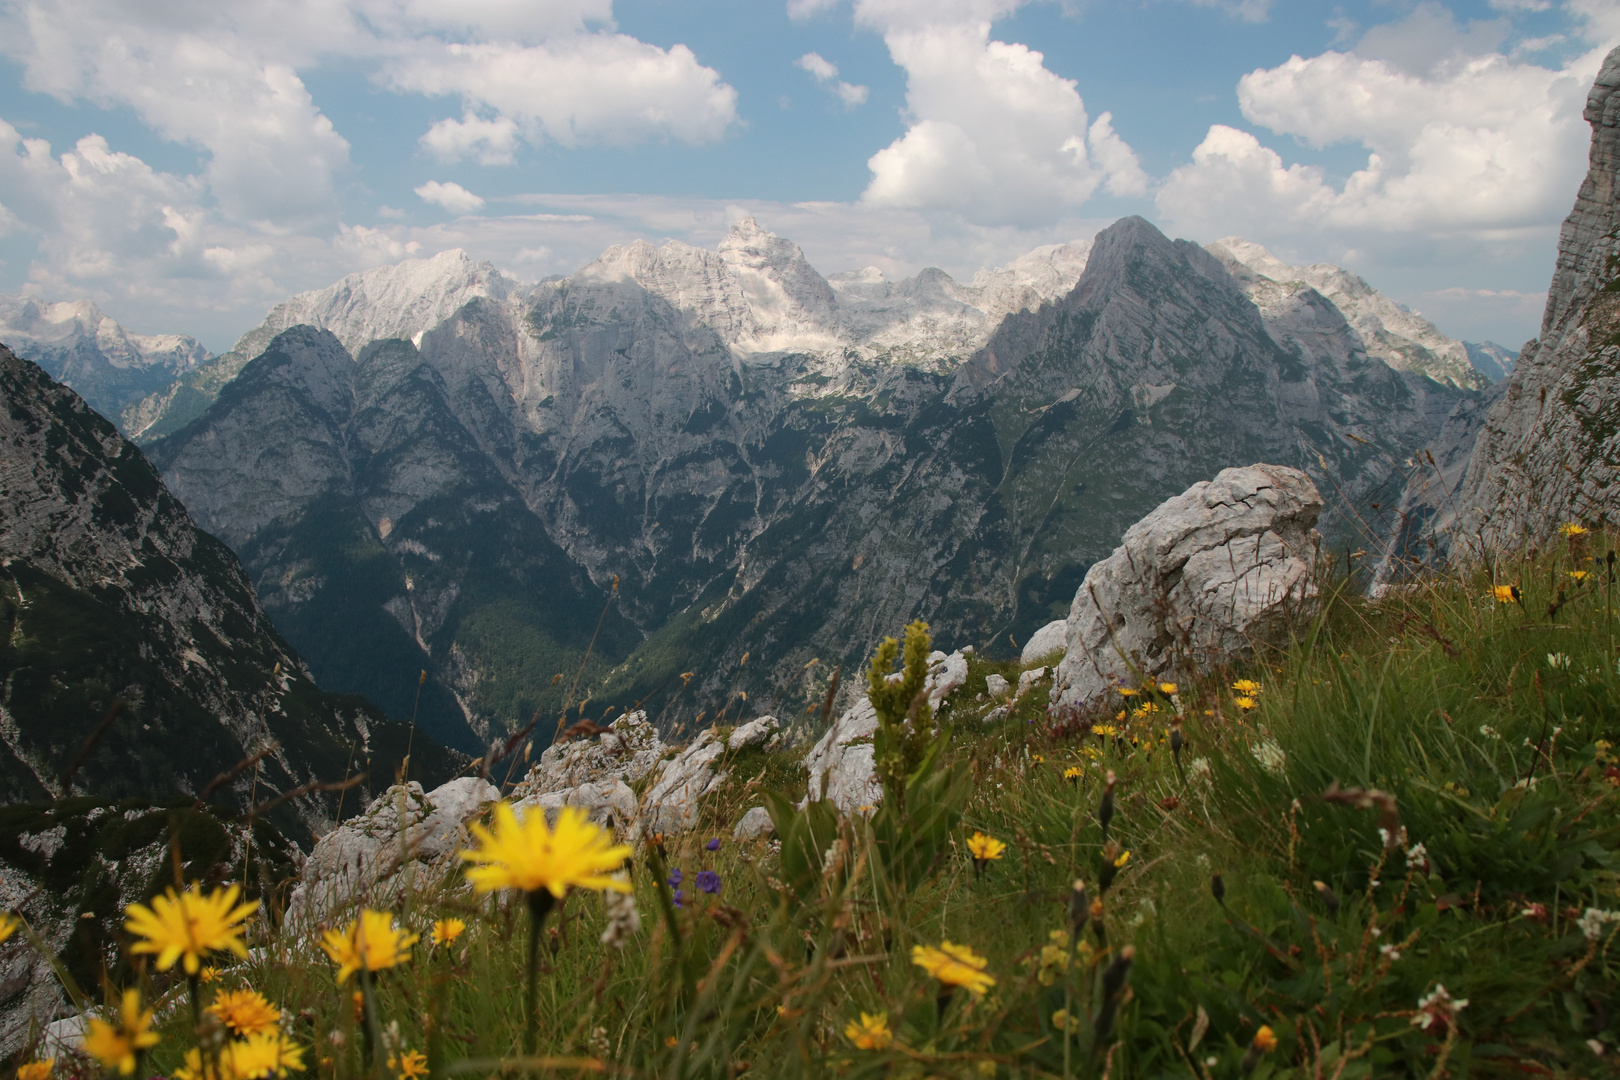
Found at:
<point>187,164</point>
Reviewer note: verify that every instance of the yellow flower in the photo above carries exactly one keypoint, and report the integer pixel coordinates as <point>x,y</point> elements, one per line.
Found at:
<point>116,1046</point>
<point>410,1065</point>
<point>188,925</point>
<point>265,1054</point>
<point>193,1069</point>
<point>36,1070</point>
<point>447,930</point>
<point>1073,773</point>
<point>529,855</point>
<point>1124,857</point>
<point>245,1012</point>
<point>1245,703</point>
<point>953,965</point>
<point>1572,528</point>
<point>371,942</point>
<point>984,848</point>
<point>1246,687</point>
<point>1168,688</point>
<point>1128,691</point>
<point>1505,594</point>
<point>1063,1021</point>
<point>1265,1039</point>
<point>208,974</point>
<point>1107,731</point>
<point>1578,575</point>
<point>870,1032</point>
<point>8,926</point>
<point>1037,759</point>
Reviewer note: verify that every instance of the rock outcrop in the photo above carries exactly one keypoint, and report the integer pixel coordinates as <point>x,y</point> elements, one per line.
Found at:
<point>840,765</point>
<point>404,839</point>
<point>1199,581</point>
<point>1049,638</point>
<point>1548,451</point>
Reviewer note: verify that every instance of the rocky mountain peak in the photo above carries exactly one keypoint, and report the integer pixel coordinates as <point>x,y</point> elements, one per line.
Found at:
<point>1401,338</point>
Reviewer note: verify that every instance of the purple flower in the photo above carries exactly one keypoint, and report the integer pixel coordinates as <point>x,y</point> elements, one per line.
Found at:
<point>709,881</point>
<point>676,877</point>
<point>713,845</point>
<point>680,898</point>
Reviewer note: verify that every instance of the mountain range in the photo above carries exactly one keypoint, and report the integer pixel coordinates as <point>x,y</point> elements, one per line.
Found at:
<point>683,476</point>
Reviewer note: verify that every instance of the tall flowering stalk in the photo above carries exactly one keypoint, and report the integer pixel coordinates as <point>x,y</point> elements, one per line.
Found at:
<point>542,863</point>
<point>369,944</point>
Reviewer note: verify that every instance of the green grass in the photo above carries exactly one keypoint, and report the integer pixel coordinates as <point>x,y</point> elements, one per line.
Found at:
<point>1483,731</point>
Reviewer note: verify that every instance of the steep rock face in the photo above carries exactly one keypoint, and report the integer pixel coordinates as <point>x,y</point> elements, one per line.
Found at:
<point>1549,449</point>
<point>400,301</point>
<point>1490,359</point>
<point>372,501</point>
<point>105,364</point>
<point>1209,574</point>
<point>767,514</point>
<point>1400,338</point>
<point>109,592</point>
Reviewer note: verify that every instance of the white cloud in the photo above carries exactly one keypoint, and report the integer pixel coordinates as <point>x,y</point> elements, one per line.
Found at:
<point>492,142</point>
<point>453,197</point>
<point>584,89</point>
<point>994,133</point>
<point>826,71</point>
<point>1464,146</point>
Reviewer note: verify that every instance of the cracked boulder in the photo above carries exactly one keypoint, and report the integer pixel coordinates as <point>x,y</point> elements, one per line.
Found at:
<point>672,804</point>
<point>1224,566</point>
<point>841,765</point>
<point>627,751</point>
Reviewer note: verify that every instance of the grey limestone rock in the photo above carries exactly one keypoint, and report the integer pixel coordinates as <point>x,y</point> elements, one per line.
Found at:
<point>1198,581</point>
<point>610,803</point>
<point>1028,679</point>
<point>1049,638</point>
<point>841,765</point>
<point>403,829</point>
<point>627,751</point>
<point>1549,449</point>
<point>754,824</point>
<point>995,685</point>
<point>671,806</point>
<point>764,731</point>
<point>945,677</point>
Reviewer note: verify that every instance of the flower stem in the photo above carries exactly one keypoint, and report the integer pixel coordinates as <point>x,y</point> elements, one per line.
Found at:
<point>368,1008</point>
<point>540,901</point>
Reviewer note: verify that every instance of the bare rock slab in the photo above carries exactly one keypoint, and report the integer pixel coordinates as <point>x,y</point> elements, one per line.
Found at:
<point>841,764</point>
<point>1224,565</point>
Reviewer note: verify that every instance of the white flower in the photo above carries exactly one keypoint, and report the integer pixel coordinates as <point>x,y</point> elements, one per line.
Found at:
<point>1593,921</point>
<point>623,920</point>
<point>1270,756</point>
<point>1488,731</point>
<point>1437,1007</point>
<point>1417,855</point>
<point>1558,661</point>
<point>1390,951</point>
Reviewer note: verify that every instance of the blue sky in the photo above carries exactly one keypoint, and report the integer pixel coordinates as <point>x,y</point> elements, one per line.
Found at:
<point>189,164</point>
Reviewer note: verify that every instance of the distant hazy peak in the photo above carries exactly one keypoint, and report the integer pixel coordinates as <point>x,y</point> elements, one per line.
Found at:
<point>1400,337</point>
<point>28,319</point>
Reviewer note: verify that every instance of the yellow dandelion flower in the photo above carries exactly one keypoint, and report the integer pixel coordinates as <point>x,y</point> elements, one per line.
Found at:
<point>371,942</point>
<point>116,1046</point>
<point>1168,688</point>
<point>984,848</point>
<point>1573,528</point>
<point>245,1012</point>
<point>1265,1039</point>
<point>1124,857</point>
<point>1073,774</point>
<point>1578,575</point>
<point>187,925</point>
<point>192,1069</point>
<point>1505,594</point>
<point>1107,731</point>
<point>870,1032</point>
<point>1128,691</point>
<point>954,965</point>
<point>410,1065</point>
<point>1245,703</point>
<point>529,855</point>
<point>208,974</point>
<point>9,924</point>
<point>1246,687</point>
<point>1037,759</point>
<point>36,1070</point>
<point>262,1055</point>
<point>447,930</point>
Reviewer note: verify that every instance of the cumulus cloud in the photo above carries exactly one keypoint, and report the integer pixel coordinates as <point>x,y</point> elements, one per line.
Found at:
<point>453,197</point>
<point>826,72</point>
<point>1464,145</point>
<point>492,142</point>
<point>994,133</point>
<point>592,88</point>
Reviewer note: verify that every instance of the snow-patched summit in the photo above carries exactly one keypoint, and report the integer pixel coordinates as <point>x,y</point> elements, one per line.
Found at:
<point>1401,338</point>
<point>82,347</point>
